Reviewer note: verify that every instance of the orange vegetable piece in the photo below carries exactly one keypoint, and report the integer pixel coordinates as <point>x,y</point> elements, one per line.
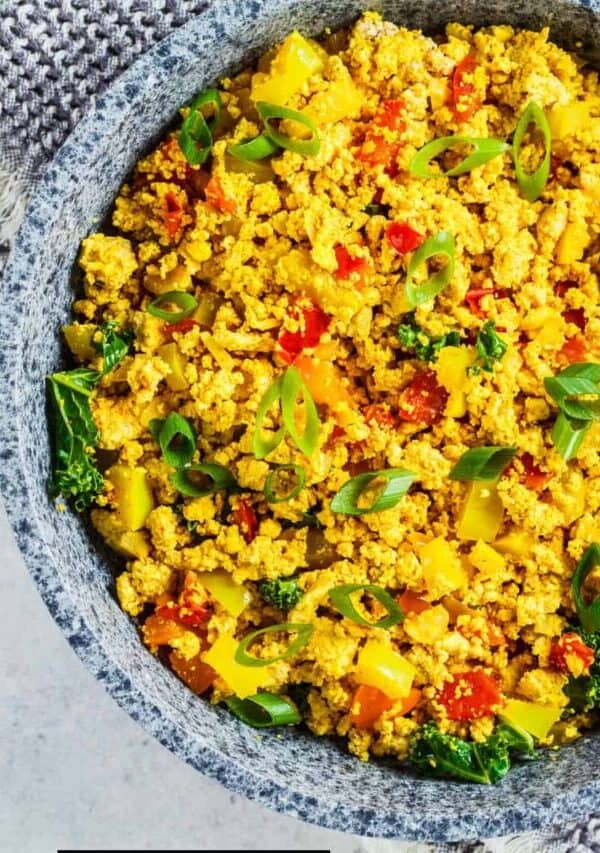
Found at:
<point>368,704</point>
<point>216,197</point>
<point>323,381</point>
<point>411,603</point>
<point>196,674</point>
<point>574,350</point>
<point>160,631</point>
<point>405,706</point>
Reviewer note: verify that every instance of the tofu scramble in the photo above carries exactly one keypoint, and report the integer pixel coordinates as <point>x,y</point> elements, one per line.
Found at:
<point>337,396</point>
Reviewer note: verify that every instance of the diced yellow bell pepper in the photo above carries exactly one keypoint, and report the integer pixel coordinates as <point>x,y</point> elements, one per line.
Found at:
<point>295,61</point>
<point>572,243</point>
<point>79,340</point>
<point>535,719</point>
<point>179,278</point>
<point>438,92</point>
<point>380,666</point>
<point>132,495</point>
<point>451,369</point>
<point>568,118</point>
<point>131,543</point>
<point>482,512</point>
<point>208,305</point>
<point>487,559</point>
<point>427,627</point>
<point>172,355</point>
<point>517,543</point>
<point>443,571</point>
<point>233,596</point>
<point>340,100</point>
<point>243,680</point>
<point>260,171</point>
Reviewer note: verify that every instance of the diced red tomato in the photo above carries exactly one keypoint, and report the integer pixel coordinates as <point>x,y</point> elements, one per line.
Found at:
<point>368,704</point>
<point>473,298</point>
<point>575,316</point>
<point>569,654</point>
<point>424,400</point>
<point>245,517</point>
<point>180,327</point>
<point>464,101</point>
<point>380,148</point>
<point>402,237</point>
<point>192,609</point>
<point>533,477</point>
<point>216,197</point>
<point>380,415</point>
<point>315,323</point>
<point>172,215</point>
<point>196,674</point>
<point>411,603</point>
<point>470,695</point>
<point>574,350</point>
<point>347,263</point>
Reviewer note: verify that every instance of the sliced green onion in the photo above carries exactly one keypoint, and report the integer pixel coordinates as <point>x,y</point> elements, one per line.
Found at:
<point>531,184</point>
<point>196,134</point>
<point>439,244</point>
<point>568,435</point>
<point>269,112</point>
<point>177,440</point>
<point>291,386</point>
<point>340,598</point>
<point>154,427</point>
<point>262,446</point>
<point>272,494</point>
<point>398,481</point>
<point>483,151</point>
<point>222,480</point>
<point>303,629</point>
<point>264,710</point>
<point>572,383</point>
<point>253,149</point>
<point>183,300</point>
<point>589,614</point>
<point>482,463</point>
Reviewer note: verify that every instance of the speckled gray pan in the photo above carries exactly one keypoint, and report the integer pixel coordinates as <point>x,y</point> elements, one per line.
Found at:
<point>293,772</point>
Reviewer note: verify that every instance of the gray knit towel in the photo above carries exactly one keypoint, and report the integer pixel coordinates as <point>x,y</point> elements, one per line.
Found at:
<point>55,58</point>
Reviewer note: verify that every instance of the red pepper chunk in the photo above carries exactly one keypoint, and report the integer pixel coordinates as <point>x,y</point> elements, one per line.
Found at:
<point>424,400</point>
<point>380,415</point>
<point>463,99</point>
<point>473,298</point>
<point>569,654</point>
<point>347,263</point>
<point>172,215</point>
<point>315,323</point>
<point>574,350</point>
<point>379,149</point>
<point>193,608</point>
<point>470,695</point>
<point>245,518</point>
<point>402,237</point>
<point>533,477</point>
<point>180,327</point>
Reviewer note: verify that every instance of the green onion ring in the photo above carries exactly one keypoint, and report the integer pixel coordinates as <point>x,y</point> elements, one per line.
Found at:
<point>261,446</point>
<point>303,629</point>
<point>183,300</point>
<point>177,427</point>
<point>340,598</point>
<point>576,381</point>
<point>482,463</point>
<point>270,487</point>
<point>253,149</point>
<point>589,614</point>
<point>440,244</point>
<point>222,480</point>
<point>264,710</point>
<point>292,384</point>
<point>399,481</point>
<point>531,184</point>
<point>568,435</point>
<point>484,150</point>
<point>196,135</point>
<point>268,112</point>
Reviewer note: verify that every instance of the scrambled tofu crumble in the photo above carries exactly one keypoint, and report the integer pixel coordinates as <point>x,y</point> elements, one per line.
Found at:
<point>297,264</point>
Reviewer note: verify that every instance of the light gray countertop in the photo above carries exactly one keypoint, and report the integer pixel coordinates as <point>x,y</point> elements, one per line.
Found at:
<point>78,772</point>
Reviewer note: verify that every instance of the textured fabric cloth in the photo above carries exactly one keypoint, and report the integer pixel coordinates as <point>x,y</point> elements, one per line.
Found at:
<point>56,56</point>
